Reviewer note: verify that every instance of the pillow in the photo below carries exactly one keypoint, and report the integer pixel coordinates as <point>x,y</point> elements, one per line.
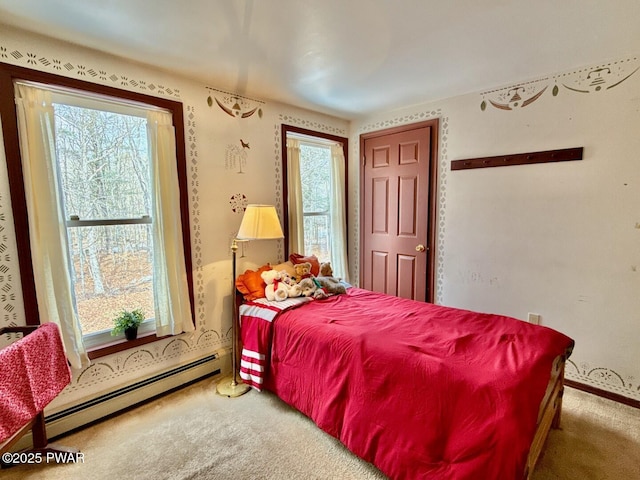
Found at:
<point>287,267</point>
<point>312,259</point>
<point>250,283</point>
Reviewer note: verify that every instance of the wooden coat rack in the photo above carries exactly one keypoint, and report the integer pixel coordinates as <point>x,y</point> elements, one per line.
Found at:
<point>563,155</point>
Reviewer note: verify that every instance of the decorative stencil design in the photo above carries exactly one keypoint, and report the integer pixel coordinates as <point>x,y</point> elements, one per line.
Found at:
<point>603,378</point>
<point>196,238</point>
<point>312,125</point>
<point>147,358</point>
<point>599,78</point>
<point>519,96</point>
<point>277,168</point>
<point>595,79</point>
<point>442,189</point>
<point>56,65</point>
<point>441,209</point>
<point>235,158</point>
<point>238,202</point>
<point>208,338</point>
<point>11,304</point>
<point>138,358</point>
<point>94,373</point>
<point>278,179</point>
<point>234,105</point>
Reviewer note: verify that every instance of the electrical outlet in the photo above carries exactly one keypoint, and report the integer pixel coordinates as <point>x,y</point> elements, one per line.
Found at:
<point>534,318</point>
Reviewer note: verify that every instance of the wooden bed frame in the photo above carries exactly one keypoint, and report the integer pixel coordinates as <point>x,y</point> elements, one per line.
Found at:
<point>548,414</point>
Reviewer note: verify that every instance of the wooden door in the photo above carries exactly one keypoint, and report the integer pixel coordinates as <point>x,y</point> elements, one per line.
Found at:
<point>398,211</point>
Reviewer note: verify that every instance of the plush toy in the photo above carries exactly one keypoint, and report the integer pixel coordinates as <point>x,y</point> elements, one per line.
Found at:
<point>320,293</point>
<point>307,287</point>
<point>326,270</point>
<point>327,281</point>
<point>311,287</point>
<point>302,271</point>
<point>276,289</point>
<point>293,289</point>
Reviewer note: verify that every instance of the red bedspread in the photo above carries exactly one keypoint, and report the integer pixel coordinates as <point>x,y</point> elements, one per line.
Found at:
<point>419,390</point>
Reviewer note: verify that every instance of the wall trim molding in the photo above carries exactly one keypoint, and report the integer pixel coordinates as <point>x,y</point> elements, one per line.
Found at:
<point>602,393</point>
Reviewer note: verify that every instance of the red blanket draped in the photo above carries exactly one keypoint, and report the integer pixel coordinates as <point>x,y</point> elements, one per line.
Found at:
<point>256,330</point>
<point>33,371</point>
<point>421,391</point>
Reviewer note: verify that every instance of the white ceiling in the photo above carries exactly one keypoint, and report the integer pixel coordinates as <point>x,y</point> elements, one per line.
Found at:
<point>345,57</point>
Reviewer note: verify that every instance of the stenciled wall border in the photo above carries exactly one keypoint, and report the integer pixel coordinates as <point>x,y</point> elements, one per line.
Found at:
<point>11,306</point>
<point>86,72</point>
<point>595,79</point>
<point>603,378</point>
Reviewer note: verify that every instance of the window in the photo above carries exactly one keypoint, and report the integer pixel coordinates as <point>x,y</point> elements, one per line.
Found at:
<point>123,237</point>
<point>315,166</point>
<point>102,160</point>
<point>315,176</point>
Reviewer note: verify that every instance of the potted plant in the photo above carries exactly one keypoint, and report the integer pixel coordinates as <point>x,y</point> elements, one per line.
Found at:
<point>128,323</point>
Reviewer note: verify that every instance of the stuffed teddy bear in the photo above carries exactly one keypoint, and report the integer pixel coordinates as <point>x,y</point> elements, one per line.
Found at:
<point>276,289</point>
<point>327,281</point>
<point>293,289</point>
<point>326,270</point>
<point>302,271</point>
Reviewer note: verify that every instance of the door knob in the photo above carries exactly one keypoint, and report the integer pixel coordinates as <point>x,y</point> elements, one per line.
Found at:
<point>420,248</point>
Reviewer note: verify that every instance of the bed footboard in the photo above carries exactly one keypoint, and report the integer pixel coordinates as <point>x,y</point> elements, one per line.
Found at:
<point>548,415</point>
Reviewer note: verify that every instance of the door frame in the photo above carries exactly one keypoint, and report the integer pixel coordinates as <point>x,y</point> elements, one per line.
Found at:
<point>433,195</point>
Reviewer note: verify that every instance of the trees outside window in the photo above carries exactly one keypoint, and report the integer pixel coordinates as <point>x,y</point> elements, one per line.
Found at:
<point>315,176</point>
<point>103,165</point>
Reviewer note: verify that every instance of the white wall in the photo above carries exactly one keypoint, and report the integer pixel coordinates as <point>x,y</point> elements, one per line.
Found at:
<point>558,239</point>
<point>212,136</point>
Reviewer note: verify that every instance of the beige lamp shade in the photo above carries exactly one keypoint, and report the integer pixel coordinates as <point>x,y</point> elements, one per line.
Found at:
<point>260,222</point>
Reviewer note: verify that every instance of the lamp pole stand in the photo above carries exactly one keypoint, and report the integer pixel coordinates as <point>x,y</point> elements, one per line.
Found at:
<point>230,386</point>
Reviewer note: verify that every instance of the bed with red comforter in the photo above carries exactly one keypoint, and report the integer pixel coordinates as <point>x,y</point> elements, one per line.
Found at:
<point>419,390</point>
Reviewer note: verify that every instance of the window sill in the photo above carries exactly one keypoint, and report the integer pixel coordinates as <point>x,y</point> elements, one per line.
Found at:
<point>121,345</point>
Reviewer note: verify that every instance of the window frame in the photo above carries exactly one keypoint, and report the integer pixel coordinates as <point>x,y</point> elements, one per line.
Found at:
<point>285,130</point>
<point>9,74</point>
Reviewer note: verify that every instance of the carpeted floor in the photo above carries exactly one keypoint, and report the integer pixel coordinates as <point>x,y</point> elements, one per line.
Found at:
<point>196,434</point>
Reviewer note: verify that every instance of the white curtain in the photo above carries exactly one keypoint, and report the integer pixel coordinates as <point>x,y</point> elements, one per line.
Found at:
<point>294,188</point>
<point>170,288</point>
<point>339,260</point>
<point>47,229</point>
